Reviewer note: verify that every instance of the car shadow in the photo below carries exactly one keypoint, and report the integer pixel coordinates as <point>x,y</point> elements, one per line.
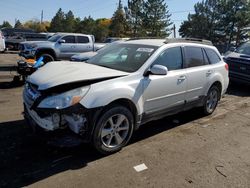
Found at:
<point>25,159</point>
<point>12,84</point>
<point>238,89</point>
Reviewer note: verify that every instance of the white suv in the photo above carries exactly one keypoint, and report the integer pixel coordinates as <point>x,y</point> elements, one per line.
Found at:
<point>124,86</point>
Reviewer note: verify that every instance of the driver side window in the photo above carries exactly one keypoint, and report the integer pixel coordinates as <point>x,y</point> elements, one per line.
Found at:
<point>170,58</point>
<point>69,39</point>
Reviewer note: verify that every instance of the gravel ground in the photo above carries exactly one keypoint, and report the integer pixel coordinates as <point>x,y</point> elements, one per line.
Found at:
<point>185,150</point>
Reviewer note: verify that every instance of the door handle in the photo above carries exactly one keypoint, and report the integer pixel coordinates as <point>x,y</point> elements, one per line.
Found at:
<point>209,72</point>
<point>181,79</point>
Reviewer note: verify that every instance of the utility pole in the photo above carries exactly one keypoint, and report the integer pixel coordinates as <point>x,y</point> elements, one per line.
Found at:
<point>42,17</point>
<point>174,28</point>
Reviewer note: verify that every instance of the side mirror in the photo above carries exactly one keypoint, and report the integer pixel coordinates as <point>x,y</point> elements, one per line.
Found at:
<point>61,41</point>
<point>157,70</point>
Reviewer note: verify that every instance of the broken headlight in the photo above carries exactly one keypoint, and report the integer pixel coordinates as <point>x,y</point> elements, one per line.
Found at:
<point>64,100</point>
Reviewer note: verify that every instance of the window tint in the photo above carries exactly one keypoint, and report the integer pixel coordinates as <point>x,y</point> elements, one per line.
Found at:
<point>82,39</point>
<point>194,57</point>
<point>69,39</point>
<point>212,56</point>
<point>171,58</point>
<point>206,61</point>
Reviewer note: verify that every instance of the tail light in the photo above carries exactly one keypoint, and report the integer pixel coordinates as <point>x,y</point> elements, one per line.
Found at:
<point>226,66</point>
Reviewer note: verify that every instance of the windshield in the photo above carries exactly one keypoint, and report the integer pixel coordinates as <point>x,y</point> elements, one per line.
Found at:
<point>244,48</point>
<point>123,57</point>
<point>54,38</point>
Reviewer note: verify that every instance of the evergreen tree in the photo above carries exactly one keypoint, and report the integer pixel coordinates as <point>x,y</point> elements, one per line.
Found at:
<point>69,22</point>
<point>118,22</point>
<point>156,18</point>
<point>18,25</point>
<point>134,16</point>
<point>6,24</point>
<point>57,22</point>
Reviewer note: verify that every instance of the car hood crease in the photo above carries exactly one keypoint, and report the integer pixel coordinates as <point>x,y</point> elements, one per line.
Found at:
<point>59,73</point>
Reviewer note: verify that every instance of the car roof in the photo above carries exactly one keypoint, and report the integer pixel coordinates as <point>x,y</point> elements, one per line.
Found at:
<point>153,42</point>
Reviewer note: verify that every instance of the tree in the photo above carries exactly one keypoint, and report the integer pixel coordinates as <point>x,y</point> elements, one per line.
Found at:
<point>134,15</point>
<point>69,22</point>
<point>118,22</point>
<point>156,18</point>
<point>18,25</point>
<point>87,25</point>
<point>6,24</point>
<point>36,25</point>
<point>203,23</point>
<point>57,22</point>
<point>101,30</point>
<point>220,21</point>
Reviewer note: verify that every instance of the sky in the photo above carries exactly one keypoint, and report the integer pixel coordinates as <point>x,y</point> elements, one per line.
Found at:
<point>25,10</point>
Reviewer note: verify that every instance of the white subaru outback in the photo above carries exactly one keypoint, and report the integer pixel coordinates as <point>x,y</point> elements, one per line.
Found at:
<point>124,86</point>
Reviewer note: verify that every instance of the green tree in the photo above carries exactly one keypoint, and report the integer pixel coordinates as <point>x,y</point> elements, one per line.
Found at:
<point>69,22</point>
<point>220,21</point>
<point>156,18</point>
<point>18,24</point>
<point>87,25</point>
<point>36,25</point>
<point>118,22</point>
<point>134,16</point>
<point>101,30</point>
<point>57,22</point>
<point>6,24</point>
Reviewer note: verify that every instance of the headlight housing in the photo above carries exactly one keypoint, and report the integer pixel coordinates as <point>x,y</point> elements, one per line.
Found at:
<point>64,100</point>
<point>31,46</point>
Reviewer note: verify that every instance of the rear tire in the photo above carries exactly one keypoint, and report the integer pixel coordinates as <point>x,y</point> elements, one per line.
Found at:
<point>211,100</point>
<point>113,130</point>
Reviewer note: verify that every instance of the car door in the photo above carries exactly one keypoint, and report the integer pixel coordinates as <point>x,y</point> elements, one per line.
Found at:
<point>198,72</point>
<point>67,48</point>
<point>166,92</point>
<point>83,44</point>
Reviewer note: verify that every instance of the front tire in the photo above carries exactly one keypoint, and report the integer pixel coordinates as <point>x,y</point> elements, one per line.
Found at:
<point>113,130</point>
<point>46,58</point>
<point>211,100</point>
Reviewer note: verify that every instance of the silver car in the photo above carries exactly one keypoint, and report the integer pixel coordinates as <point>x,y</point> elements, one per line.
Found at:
<point>124,86</point>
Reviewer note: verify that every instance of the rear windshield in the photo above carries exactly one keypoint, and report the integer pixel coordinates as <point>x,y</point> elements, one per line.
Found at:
<point>123,57</point>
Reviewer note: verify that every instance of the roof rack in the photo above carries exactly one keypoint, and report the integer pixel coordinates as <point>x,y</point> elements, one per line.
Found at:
<point>189,40</point>
<point>142,38</point>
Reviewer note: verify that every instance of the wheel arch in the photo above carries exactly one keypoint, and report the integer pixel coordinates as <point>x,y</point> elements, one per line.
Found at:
<point>49,51</point>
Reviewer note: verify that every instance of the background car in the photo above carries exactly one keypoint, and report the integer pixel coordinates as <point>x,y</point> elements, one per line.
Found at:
<point>239,63</point>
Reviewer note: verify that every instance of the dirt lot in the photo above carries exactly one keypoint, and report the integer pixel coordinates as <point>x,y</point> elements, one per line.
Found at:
<point>185,150</point>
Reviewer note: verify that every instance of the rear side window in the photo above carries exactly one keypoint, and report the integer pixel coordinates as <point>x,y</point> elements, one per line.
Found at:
<point>69,39</point>
<point>82,39</point>
<point>170,58</point>
<point>193,57</point>
<point>212,56</point>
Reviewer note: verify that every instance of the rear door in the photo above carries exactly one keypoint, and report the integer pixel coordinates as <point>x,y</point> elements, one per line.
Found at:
<point>84,44</point>
<point>68,48</point>
<point>198,72</point>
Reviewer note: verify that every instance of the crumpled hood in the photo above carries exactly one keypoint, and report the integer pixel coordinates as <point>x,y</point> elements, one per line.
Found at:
<point>63,72</point>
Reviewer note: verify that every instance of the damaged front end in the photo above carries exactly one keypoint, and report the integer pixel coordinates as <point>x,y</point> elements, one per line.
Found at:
<point>51,111</point>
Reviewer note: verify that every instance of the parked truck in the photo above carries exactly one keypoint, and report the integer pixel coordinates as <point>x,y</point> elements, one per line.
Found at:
<point>60,46</point>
